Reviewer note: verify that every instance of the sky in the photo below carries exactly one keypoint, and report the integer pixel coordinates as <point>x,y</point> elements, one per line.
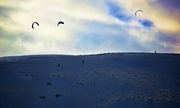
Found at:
<point>90,26</point>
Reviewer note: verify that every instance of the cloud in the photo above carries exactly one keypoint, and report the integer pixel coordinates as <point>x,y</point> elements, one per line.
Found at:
<point>163,20</point>
<point>11,43</point>
<point>48,38</point>
<point>90,27</point>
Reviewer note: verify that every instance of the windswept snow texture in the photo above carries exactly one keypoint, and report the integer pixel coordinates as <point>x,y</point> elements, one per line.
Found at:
<point>121,80</point>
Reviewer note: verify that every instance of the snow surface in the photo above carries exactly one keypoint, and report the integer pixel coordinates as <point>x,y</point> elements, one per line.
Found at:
<point>119,80</point>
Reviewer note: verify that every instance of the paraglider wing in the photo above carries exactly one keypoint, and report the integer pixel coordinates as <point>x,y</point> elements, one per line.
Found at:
<point>34,23</point>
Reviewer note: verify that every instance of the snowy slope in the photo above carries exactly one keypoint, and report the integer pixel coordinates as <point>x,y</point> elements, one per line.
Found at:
<point>122,80</point>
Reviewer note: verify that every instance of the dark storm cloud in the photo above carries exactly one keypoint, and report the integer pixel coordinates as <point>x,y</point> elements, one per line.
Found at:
<point>9,43</point>
<point>7,35</point>
<point>12,36</point>
<point>170,4</point>
<point>4,11</point>
<point>169,38</point>
<point>167,42</point>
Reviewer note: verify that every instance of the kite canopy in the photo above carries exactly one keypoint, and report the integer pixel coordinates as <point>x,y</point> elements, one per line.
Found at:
<point>60,22</point>
<point>34,24</point>
<point>138,12</point>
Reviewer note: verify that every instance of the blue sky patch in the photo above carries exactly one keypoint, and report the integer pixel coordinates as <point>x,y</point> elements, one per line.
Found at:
<point>118,12</point>
<point>147,23</point>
